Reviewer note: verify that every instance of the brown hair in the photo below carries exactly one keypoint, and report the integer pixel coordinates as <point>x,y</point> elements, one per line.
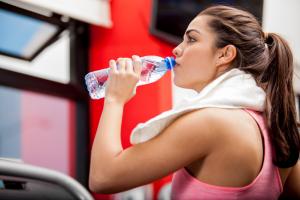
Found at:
<point>268,58</point>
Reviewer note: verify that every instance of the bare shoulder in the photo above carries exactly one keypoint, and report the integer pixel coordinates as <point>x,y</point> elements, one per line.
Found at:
<point>210,115</point>
<point>199,130</point>
<point>214,124</point>
<point>236,125</point>
<point>219,120</point>
<point>208,120</point>
<point>199,125</point>
<point>232,129</point>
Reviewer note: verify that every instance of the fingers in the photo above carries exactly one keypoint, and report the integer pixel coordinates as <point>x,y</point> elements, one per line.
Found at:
<point>124,64</point>
<point>137,64</point>
<point>130,65</point>
<point>113,66</point>
<point>123,77</point>
<point>121,64</point>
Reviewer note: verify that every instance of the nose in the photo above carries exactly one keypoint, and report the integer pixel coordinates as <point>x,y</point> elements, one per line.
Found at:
<point>177,51</point>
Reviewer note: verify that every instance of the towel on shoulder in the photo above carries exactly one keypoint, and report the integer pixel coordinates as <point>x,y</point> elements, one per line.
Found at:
<point>233,89</point>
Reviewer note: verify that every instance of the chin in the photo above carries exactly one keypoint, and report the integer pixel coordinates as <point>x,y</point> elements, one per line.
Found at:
<point>190,86</point>
<point>181,85</point>
<point>176,83</point>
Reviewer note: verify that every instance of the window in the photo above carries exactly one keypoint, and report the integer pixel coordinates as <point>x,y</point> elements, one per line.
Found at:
<point>44,115</point>
<point>23,34</point>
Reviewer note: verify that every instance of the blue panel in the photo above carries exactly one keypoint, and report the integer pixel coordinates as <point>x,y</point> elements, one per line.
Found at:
<point>17,31</point>
<point>10,123</point>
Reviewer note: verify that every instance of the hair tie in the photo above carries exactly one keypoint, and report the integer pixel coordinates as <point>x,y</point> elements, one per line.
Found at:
<point>266,36</point>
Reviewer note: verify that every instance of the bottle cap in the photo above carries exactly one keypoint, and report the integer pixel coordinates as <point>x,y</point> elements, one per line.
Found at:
<point>170,62</point>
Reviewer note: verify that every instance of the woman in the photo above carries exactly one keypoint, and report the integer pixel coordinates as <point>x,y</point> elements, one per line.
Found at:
<point>217,153</point>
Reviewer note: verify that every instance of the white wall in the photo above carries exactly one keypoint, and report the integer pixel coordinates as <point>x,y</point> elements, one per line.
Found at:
<point>283,17</point>
<point>95,12</point>
<point>280,17</point>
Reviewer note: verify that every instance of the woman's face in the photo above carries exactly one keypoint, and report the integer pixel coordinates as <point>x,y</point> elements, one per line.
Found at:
<point>196,56</point>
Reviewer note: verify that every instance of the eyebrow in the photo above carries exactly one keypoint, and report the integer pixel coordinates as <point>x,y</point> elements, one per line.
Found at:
<point>190,30</point>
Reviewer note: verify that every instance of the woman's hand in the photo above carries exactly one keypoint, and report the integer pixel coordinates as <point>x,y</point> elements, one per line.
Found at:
<point>122,80</point>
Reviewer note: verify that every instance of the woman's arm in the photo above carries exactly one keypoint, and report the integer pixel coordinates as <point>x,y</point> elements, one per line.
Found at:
<point>107,143</point>
<point>189,138</point>
<point>113,169</point>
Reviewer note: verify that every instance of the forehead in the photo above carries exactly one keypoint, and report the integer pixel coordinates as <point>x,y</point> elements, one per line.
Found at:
<point>200,23</point>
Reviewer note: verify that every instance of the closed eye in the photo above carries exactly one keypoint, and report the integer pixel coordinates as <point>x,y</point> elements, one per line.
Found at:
<point>190,39</point>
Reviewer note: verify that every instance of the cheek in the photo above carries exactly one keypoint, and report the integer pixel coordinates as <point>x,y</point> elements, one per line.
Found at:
<point>197,69</point>
<point>205,63</point>
<point>200,55</point>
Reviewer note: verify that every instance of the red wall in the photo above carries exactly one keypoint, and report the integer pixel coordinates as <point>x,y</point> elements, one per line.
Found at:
<point>41,131</point>
<point>128,36</point>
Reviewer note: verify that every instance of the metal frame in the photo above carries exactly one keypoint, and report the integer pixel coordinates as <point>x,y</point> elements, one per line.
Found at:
<point>32,182</point>
<point>54,19</point>
<point>79,43</point>
<point>27,82</point>
<point>170,38</point>
<point>160,34</point>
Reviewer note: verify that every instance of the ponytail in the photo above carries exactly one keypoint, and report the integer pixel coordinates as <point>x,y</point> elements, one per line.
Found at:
<point>280,102</point>
<point>268,58</point>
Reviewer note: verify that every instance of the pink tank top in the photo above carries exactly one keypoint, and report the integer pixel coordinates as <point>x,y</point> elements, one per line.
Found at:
<point>267,185</point>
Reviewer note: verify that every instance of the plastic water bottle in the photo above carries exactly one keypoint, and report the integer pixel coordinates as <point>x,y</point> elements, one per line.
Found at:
<point>153,68</point>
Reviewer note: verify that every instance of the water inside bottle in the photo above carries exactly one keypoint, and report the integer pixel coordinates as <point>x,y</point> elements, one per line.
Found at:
<point>151,72</point>
<point>96,81</point>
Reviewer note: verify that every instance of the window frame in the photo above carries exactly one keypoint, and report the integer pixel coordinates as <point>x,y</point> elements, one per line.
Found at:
<point>74,90</point>
<point>55,20</point>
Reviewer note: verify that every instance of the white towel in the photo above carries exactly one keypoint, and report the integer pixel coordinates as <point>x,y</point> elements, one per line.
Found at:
<point>233,89</point>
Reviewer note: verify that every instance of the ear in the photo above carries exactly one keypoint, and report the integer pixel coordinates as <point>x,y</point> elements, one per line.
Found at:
<point>226,55</point>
